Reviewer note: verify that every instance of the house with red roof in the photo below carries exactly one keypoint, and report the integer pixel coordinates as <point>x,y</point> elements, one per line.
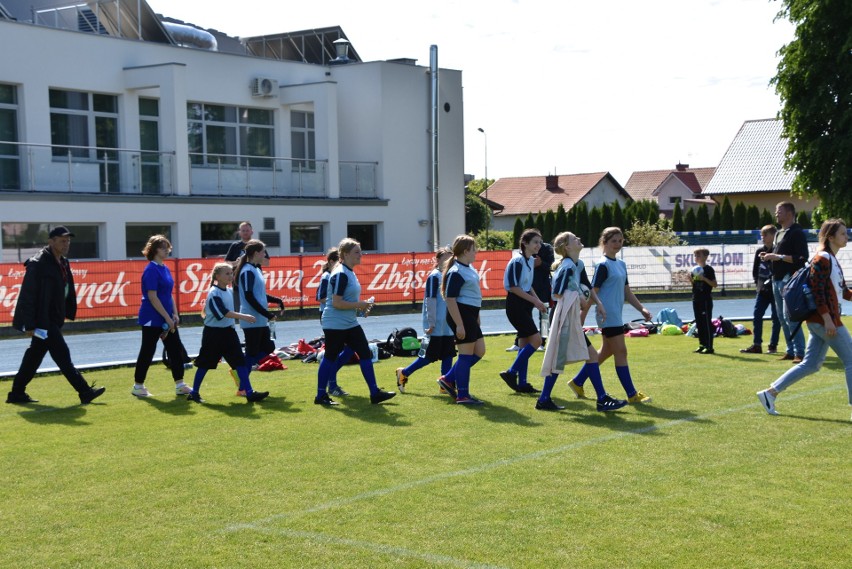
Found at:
<point>667,187</point>
<point>513,198</point>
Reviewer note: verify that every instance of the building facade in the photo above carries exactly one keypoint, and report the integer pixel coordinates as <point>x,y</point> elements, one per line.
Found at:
<point>121,134</point>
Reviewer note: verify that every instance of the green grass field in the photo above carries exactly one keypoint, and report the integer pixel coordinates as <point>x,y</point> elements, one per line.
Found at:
<point>702,477</point>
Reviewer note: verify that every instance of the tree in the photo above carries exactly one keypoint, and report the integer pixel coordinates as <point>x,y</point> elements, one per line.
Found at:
<point>740,216</point>
<point>727,216</point>
<point>802,219</point>
<point>814,82</point>
<point>766,218</point>
<point>595,226</point>
<point>753,218</point>
<point>689,221</point>
<point>561,221</point>
<point>606,216</point>
<point>617,215</point>
<point>702,218</point>
<point>497,241</point>
<point>677,218</point>
<point>516,232</point>
<point>581,222</point>
<point>476,214</point>
<point>650,234</point>
<point>529,221</point>
<point>716,220</point>
<point>539,222</point>
<point>548,231</point>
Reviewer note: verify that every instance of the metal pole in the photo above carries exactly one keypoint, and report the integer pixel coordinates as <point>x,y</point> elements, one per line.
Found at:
<point>433,69</point>
<point>487,221</point>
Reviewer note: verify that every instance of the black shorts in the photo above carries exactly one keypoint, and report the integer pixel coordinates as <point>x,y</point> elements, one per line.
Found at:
<point>612,331</point>
<point>258,342</point>
<point>352,337</point>
<point>217,343</point>
<point>440,348</point>
<point>470,320</point>
<point>519,312</point>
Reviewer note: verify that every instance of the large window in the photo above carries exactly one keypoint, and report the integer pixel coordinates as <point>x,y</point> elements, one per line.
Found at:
<point>222,135</point>
<point>149,143</point>
<point>10,177</point>
<point>303,140</point>
<point>23,240</point>
<point>78,119</point>
<point>136,236</point>
<point>306,238</point>
<point>367,234</point>
<point>216,237</point>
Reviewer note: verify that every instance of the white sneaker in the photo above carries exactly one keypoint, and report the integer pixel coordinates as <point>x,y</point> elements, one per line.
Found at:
<point>182,389</point>
<point>140,391</point>
<point>512,348</point>
<point>768,401</point>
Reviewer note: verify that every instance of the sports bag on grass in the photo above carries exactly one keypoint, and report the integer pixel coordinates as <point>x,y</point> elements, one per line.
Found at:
<point>404,342</point>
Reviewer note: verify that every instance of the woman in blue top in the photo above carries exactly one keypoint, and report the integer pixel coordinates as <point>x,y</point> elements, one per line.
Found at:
<point>159,318</point>
<point>460,287</point>
<point>438,335</point>
<point>331,259</point>
<point>340,325</point>
<point>250,285</point>
<point>611,285</point>
<point>520,300</point>
<point>219,338</point>
<point>571,276</point>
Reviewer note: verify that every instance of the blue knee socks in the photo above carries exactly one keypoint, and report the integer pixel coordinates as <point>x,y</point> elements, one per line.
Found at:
<point>199,377</point>
<point>595,378</point>
<point>324,374</point>
<point>583,374</point>
<point>415,365</point>
<point>369,374</point>
<point>623,373</point>
<point>462,374</point>
<point>446,365</point>
<point>521,363</point>
<point>243,374</point>
<point>547,389</point>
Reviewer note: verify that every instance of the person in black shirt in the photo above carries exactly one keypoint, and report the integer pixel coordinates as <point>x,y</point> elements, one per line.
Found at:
<point>237,248</point>
<point>761,271</point>
<point>703,282</point>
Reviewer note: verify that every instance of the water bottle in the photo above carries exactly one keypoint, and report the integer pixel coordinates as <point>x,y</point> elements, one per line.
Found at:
<point>423,346</point>
<point>364,313</point>
<point>165,331</point>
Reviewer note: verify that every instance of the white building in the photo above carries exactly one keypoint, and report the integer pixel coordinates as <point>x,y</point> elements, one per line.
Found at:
<point>110,126</point>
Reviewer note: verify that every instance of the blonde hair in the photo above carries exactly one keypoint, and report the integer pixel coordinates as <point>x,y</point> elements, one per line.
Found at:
<point>217,269</point>
<point>768,230</point>
<point>345,246</point>
<point>560,246</point>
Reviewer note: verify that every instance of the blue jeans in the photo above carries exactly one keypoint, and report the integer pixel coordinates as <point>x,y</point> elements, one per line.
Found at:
<point>818,345</point>
<point>761,303</point>
<point>795,346</point>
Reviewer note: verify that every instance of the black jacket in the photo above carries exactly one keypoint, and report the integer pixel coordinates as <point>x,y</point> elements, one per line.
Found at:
<point>793,242</point>
<point>42,299</point>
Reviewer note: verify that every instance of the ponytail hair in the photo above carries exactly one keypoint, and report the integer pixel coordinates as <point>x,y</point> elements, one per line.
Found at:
<point>461,244</point>
<point>332,257</point>
<point>526,237</point>
<point>218,268</point>
<point>560,245</point>
<point>252,246</point>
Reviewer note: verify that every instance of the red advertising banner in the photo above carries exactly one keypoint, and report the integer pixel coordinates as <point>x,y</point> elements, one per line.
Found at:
<point>111,289</point>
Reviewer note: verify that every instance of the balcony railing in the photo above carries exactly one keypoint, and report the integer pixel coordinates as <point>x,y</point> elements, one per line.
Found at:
<point>257,176</point>
<point>85,169</point>
<point>358,179</point>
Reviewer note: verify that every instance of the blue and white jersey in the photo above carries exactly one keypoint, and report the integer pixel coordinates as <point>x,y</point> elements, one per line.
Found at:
<point>322,290</point>
<point>252,287</point>
<point>220,301</point>
<point>462,284</point>
<point>519,273</point>
<point>342,282</point>
<point>610,279</point>
<point>435,307</point>
<point>568,276</point>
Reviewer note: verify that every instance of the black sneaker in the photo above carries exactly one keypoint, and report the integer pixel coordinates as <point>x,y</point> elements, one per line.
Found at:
<point>700,350</point>
<point>20,398</point>
<point>379,396</point>
<point>256,396</point>
<point>93,393</point>
<point>708,351</point>
<point>607,403</point>
<point>510,378</point>
<point>194,396</point>
<point>526,388</point>
<point>548,405</point>
<point>325,400</point>
<point>448,386</point>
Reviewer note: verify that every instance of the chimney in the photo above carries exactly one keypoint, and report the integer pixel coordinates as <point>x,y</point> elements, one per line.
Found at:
<point>551,182</point>
<point>681,167</point>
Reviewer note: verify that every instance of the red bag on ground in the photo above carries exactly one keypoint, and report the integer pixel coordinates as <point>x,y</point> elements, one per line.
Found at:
<point>270,363</point>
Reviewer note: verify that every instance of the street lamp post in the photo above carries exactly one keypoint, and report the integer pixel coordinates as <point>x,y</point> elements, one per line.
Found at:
<point>487,221</point>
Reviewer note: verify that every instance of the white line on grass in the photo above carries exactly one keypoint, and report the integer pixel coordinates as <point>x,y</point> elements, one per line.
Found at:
<point>257,525</point>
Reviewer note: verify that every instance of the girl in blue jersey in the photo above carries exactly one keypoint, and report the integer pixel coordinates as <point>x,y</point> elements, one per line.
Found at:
<point>566,333</point>
<point>520,300</point>
<point>440,338</point>
<point>158,317</point>
<point>340,325</point>
<point>250,286</point>
<point>611,285</point>
<point>460,287</point>
<point>331,259</point>
<point>219,338</point>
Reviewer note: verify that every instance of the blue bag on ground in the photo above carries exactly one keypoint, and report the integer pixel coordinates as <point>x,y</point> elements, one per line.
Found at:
<point>668,316</point>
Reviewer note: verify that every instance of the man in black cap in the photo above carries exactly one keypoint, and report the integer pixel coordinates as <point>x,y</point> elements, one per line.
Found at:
<point>46,299</point>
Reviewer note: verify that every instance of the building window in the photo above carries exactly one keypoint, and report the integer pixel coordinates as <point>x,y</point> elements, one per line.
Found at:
<point>216,237</point>
<point>673,200</point>
<point>149,144</point>
<point>23,240</point>
<point>303,140</point>
<point>306,238</point>
<point>222,135</point>
<point>77,119</point>
<point>367,234</point>
<point>10,171</point>
<point>136,236</point>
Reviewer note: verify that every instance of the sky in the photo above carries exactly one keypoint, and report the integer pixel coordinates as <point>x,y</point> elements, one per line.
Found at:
<point>561,86</point>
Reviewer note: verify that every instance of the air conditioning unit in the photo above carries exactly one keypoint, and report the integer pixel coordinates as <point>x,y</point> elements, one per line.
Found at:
<point>264,87</point>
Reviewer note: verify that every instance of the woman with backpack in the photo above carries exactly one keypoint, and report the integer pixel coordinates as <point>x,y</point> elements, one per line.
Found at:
<point>826,328</point>
<point>520,301</point>
<point>340,325</point>
<point>439,338</point>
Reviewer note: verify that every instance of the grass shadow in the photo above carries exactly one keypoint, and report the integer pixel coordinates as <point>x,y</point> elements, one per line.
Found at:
<point>360,408</point>
<point>817,419</point>
<point>50,415</point>
<point>614,421</point>
<point>178,406</point>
